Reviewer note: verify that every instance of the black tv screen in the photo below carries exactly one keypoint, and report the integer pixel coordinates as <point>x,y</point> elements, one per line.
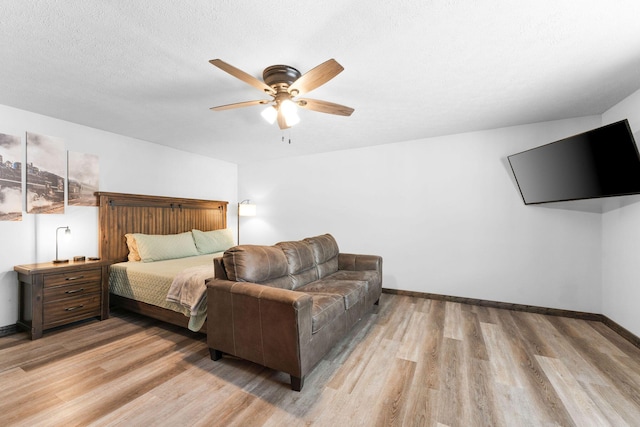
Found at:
<point>602,162</point>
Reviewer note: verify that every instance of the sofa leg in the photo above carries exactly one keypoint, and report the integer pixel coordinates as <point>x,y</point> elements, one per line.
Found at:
<point>215,354</point>
<point>297,383</point>
<point>377,302</point>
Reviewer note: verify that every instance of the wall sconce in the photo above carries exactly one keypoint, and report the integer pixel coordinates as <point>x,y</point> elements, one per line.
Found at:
<point>67,230</point>
<point>245,208</point>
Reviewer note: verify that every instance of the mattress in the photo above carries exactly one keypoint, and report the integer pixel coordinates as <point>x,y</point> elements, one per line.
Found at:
<point>149,282</point>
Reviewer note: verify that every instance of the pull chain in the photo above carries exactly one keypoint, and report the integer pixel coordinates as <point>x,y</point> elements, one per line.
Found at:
<point>282,139</point>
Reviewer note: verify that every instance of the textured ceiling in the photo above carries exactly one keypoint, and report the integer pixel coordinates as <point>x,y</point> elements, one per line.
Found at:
<point>413,68</point>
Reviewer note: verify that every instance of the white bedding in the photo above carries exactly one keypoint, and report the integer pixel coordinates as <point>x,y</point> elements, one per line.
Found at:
<point>151,283</point>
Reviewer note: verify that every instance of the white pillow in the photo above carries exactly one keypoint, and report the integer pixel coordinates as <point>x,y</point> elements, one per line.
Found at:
<point>209,242</point>
<point>156,247</point>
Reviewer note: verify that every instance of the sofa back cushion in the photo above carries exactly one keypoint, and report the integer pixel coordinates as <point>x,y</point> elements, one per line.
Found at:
<point>301,260</point>
<point>325,252</point>
<point>266,265</point>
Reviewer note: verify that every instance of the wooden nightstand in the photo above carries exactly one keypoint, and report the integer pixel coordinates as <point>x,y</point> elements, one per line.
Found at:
<point>57,294</point>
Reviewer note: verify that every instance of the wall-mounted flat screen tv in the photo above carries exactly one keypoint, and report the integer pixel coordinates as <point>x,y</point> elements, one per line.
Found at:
<point>603,162</point>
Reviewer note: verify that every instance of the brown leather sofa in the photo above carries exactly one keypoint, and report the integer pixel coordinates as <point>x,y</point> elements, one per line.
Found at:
<point>285,306</point>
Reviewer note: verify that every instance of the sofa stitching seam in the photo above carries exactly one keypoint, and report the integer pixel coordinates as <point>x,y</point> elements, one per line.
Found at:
<point>261,331</point>
<point>233,328</point>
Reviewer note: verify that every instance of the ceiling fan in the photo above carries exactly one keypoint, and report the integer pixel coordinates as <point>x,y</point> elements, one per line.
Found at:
<point>284,83</point>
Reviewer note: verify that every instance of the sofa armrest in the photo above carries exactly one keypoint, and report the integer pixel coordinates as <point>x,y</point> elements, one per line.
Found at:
<point>218,267</point>
<point>356,262</point>
<point>260,323</point>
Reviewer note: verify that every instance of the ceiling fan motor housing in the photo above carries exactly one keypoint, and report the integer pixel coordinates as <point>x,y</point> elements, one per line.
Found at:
<point>280,74</point>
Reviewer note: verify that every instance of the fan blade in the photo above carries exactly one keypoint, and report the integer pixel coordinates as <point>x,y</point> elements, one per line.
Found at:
<point>282,122</point>
<point>325,107</point>
<point>239,105</point>
<point>247,78</point>
<point>315,77</point>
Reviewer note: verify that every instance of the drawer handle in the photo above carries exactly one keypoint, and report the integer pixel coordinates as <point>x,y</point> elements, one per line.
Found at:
<point>74,278</point>
<point>75,291</point>
<point>73,308</point>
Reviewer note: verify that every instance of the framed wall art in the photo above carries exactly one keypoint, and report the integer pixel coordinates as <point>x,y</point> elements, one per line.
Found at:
<point>83,179</point>
<point>10,178</point>
<point>46,162</point>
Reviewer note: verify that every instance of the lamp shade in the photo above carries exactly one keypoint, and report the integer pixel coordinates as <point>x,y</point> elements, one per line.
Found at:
<point>247,209</point>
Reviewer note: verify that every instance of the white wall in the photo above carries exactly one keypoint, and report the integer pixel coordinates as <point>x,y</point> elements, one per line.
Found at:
<point>443,212</point>
<point>453,219</point>
<point>621,241</point>
<point>127,165</point>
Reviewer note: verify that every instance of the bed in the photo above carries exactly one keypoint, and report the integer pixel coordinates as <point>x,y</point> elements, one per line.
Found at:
<point>122,214</point>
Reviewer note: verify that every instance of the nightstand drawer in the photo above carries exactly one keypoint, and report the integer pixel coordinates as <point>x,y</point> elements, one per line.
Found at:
<point>79,276</point>
<point>67,310</point>
<point>71,290</point>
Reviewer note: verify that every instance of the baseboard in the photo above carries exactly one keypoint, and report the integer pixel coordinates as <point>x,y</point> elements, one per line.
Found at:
<point>625,333</point>
<point>8,330</point>
<point>498,304</point>
<point>620,330</point>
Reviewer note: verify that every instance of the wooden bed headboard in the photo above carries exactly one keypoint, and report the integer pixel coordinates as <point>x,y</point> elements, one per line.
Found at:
<point>121,213</point>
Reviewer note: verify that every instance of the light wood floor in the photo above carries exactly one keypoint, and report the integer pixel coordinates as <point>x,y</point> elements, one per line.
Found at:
<point>414,362</point>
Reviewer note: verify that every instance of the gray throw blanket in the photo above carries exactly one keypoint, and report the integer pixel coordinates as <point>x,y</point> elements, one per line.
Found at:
<point>189,289</point>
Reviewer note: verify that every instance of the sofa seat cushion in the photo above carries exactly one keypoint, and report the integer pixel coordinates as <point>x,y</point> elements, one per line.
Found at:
<point>372,277</point>
<point>326,308</point>
<point>351,291</point>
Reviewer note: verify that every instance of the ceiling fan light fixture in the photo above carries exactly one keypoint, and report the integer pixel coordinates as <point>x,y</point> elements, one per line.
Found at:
<point>292,119</point>
<point>270,114</point>
<point>290,112</point>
